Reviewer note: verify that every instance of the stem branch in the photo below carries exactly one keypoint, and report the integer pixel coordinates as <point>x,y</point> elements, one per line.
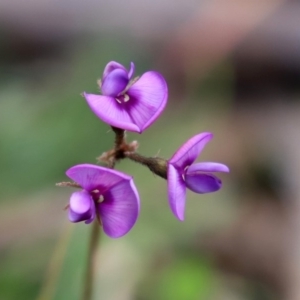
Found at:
<point>156,164</point>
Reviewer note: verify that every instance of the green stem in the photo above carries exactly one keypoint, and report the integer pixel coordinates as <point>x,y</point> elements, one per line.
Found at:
<point>91,262</point>
<point>55,265</point>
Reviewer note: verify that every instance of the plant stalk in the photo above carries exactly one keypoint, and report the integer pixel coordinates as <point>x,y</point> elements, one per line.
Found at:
<point>91,262</point>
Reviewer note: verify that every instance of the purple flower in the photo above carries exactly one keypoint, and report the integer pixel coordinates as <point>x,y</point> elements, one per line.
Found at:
<point>108,195</point>
<point>197,177</point>
<point>129,104</point>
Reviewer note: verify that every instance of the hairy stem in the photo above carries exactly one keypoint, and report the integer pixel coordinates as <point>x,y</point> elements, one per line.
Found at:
<point>119,138</point>
<point>68,184</point>
<point>156,164</point>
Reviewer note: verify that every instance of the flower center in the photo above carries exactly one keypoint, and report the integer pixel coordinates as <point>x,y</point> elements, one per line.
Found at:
<point>101,199</point>
<point>97,197</point>
<point>123,98</point>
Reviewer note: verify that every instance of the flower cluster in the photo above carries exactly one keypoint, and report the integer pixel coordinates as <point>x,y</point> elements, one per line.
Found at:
<point>110,196</point>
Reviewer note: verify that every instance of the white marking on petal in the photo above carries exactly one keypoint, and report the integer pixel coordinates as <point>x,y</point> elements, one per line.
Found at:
<point>126,98</point>
<point>101,199</point>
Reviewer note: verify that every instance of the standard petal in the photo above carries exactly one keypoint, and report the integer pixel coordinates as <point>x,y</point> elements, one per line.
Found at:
<point>147,99</point>
<point>207,167</point>
<point>81,207</point>
<point>131,71</point>
<point>120,209</point>
<point>114,83</point>
<point>112,65</point>
<point>111,112</point>
<point>203,183</point>
<point>91,177</point>
<point>176,192</point>
<point>190,150</point>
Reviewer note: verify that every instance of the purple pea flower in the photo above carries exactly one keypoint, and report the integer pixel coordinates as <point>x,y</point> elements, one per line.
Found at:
<point>109,195</point>
<point>197,177</point>
<point>129,104</point>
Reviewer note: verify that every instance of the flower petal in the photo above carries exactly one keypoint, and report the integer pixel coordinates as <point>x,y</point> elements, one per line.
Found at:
<point>147,99</point>
<point>92,177</point>
<point>176,192</point>
<point>111,112</point>
<point>120,208</point>
<point>190,150</point>
<point>114,83</point>
<point>131,71</point>
<point>203,183</point>
<point>112,65</point>
<point>207,167</point>
<point>81,207</point>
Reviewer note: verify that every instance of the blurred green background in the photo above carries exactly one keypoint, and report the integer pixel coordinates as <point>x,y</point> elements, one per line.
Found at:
<point>231,69</point>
